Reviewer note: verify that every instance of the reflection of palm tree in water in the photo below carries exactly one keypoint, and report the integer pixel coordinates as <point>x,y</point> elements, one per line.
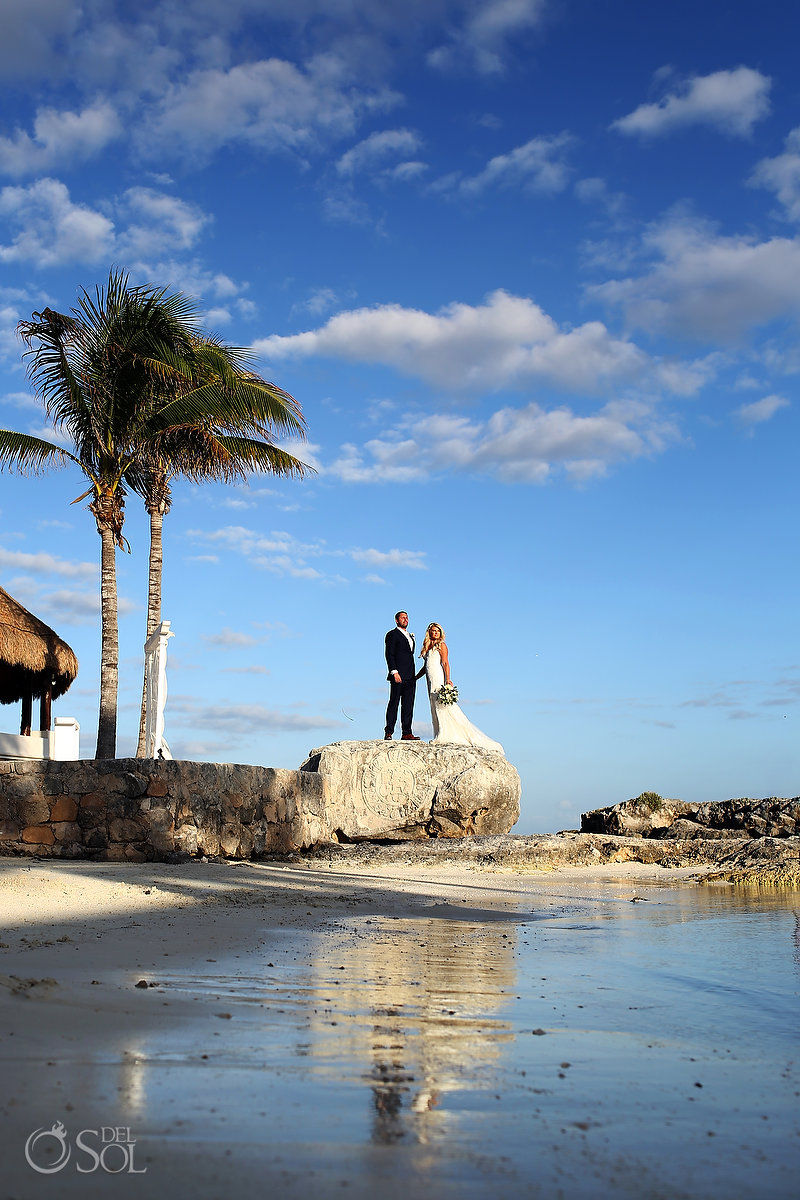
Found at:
<point>440,1035</point>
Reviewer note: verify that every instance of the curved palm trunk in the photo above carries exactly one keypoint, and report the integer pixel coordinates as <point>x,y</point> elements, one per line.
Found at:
<point>109,654</point>
<point>158,504</point>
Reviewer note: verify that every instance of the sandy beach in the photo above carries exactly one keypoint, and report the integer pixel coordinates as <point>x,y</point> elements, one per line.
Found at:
<point>395,1030</point>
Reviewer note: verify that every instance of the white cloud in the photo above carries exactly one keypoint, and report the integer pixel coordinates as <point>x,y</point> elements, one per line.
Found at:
<point>537,166</point>
<point>391,558</point>
<point>46,564</point>
<point>307,452</point>
<point>231,637</point>
<point>242,718</point>
<point>156,223</point>
<point>272,104</point>
<point>51,229</point>
<point>405,171</point>
<point>525,445</point>
<point>192,277</point>
<point>782,175</point>
<point>705,286</point>
<point>507,341</point>
<point>59,138</point>
<point>22,400</point>
<point>760,410</point>
<point>488,27</point>
<point>373,151</point>
<point>79,608</point>
<point>595,190</point>
<point>731,101</point>
<point>284,554</point>
<point>217,316</point>
<point>321,300</point>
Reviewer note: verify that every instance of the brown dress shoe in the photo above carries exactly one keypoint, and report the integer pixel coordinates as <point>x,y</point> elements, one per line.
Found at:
<point>409,737</point>
<point>387,737</point>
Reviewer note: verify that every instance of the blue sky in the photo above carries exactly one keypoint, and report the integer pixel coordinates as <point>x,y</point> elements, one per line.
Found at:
<point>532,269</point>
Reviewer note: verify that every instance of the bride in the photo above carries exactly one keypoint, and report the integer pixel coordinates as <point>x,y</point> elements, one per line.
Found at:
<point>449,722</point>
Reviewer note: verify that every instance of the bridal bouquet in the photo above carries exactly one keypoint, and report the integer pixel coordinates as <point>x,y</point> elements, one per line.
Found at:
<point>447,694</point>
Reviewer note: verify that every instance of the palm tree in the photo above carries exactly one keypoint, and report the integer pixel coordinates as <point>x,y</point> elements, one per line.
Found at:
<point>230,416</point>
<point>108,375</point>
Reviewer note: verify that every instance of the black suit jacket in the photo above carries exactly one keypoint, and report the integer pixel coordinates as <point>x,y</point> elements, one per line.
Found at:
<point>399,655</point>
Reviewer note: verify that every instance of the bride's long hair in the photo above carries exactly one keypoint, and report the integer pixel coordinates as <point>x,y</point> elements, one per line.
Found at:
<point>428,642</point>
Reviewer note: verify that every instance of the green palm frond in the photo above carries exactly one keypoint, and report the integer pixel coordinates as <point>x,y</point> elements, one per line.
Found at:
<point>256,455</point>
<point>248,405</point>
<point>31,455</point>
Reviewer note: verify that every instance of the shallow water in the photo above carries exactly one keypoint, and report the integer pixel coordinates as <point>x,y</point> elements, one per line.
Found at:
<point>593,1047</point>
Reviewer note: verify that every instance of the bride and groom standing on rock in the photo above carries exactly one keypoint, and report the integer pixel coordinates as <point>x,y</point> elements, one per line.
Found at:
<point>449,722</point>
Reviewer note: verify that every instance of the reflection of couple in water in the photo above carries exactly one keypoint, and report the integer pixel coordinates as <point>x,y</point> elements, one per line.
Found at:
<point>449,722</point>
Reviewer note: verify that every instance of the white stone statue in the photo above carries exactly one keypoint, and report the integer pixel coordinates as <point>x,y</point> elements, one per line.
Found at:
<point>155,659</point>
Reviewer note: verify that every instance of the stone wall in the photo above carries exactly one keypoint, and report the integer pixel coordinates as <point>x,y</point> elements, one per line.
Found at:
<point>144,809</point>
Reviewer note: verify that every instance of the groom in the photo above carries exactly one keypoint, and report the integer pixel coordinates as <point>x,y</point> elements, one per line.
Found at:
<point>402,678</point>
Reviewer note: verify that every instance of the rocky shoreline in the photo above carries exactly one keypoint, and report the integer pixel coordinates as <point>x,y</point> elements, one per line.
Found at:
<point>761,861</point>
<point>740,841</point>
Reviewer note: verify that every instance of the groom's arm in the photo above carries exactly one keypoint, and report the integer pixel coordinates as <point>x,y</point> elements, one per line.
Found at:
<point>391,661</point>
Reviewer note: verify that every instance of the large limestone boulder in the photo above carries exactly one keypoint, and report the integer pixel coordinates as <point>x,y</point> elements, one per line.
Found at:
<point>408,790</point>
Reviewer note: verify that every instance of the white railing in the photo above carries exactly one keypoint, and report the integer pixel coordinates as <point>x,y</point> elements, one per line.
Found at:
<point>59,744</point>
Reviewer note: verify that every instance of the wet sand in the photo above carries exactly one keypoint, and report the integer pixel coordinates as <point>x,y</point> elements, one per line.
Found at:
<point>396,1032</point>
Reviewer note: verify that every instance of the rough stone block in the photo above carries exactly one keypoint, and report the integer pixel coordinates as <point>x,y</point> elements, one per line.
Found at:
<point>156,818</point>
<point>66,831</point>
<point>9,831</point>
<point>157,787</point>
<point>39,835</point>
<point>116,852</point>
<point>128,784</point>
<point>22,785</point>
<point>34,811</point>
<point>64,809</point>
<point>229,841</point>
<point>161,840</point>
<point>135,854</point>
<point>208,841</point>
<point>93,800</point>
<point>185,839</point>
<point>121,829</point>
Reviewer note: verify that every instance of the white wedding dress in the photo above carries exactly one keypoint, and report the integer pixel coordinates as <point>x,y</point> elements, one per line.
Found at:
<point>449,722</point>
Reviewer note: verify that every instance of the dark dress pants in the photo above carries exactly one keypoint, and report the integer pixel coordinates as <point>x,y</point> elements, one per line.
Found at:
<point>402,695</point>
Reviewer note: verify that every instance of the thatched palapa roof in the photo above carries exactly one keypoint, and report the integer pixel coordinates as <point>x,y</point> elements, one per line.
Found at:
<point>33,657</point>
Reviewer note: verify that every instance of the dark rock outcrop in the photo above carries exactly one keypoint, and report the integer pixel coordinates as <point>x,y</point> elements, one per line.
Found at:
<point>651,816</point>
